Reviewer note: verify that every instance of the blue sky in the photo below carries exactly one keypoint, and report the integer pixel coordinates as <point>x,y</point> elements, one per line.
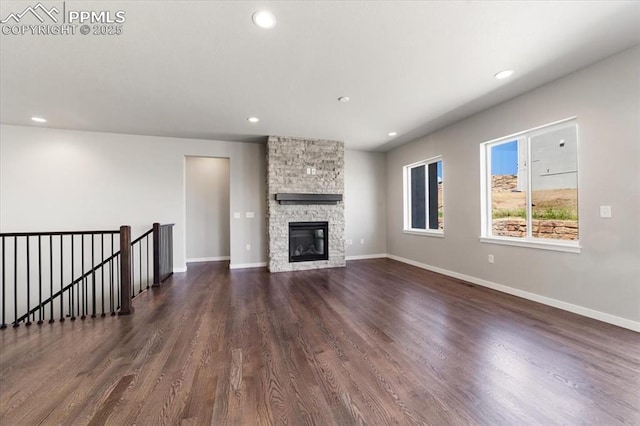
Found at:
<point>504,158</point>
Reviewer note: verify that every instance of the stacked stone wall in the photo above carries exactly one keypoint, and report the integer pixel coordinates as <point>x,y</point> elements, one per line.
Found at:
<point>550,229</point>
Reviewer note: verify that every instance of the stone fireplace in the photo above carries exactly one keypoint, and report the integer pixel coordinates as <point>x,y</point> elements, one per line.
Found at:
<point>305,185</point>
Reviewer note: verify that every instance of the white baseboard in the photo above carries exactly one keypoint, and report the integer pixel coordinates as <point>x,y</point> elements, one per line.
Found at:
<point>247,265</point>
<point>180,269</point>
<point>207,259</point>
<point>580,310</point>
<point>367,256</point>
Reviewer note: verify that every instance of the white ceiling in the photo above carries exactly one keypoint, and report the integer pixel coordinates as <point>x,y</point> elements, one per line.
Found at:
<point>198,69</point>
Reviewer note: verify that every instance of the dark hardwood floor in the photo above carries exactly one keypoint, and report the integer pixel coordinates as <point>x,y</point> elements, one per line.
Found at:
<point>378,342</point>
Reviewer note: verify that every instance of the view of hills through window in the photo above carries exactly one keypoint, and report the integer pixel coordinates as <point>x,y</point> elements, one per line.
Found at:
<point>549,160</point>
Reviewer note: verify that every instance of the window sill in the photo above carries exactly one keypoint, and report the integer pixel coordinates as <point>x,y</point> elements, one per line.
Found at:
<point>437,234</point>
<point>542,245</point>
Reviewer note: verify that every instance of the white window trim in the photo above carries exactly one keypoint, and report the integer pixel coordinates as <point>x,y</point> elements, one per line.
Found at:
<point>485,190</point>
<point>406,220</point>
<point>568,247</point>
<point>425,232</point>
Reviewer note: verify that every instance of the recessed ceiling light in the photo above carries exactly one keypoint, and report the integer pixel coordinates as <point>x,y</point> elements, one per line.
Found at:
<point>39,119</point>
<point>264,19</point>
<point>503,74</point>
<point>392,134</point>
<point>344,99</point>
<point>253,119</point>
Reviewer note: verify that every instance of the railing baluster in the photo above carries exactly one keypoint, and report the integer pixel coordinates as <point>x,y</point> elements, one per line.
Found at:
<point>39,280</point>
<point>73,274</point>
<point>51,278</point>
<point>147,238</point>
<point>93,276</point>
<point>118,277</point>
<point>15,281</point>
<point>156,254</point>
<point>61,278</point>
<point>132,273</point>
<point>28,323</point>
<point>170,250</point>
<point>83,286</point>
<point>102,282</point>
<point>140,257</point>
<point>4,298</point>
<point>113,311</point>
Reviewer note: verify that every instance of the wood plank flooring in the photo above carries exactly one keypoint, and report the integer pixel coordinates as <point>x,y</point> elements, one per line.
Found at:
<point>378,342</point>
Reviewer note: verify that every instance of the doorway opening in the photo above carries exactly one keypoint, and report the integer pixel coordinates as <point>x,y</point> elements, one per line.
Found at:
<point>207,206</point>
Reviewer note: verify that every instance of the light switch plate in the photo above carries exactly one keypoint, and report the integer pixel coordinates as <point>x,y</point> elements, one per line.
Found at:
<point>250,215</point>
<point>236,215</point>
<point>605,211</point>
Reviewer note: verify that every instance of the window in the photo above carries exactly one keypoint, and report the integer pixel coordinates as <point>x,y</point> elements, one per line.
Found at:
<point>423,200</point>
<point>530,188</point>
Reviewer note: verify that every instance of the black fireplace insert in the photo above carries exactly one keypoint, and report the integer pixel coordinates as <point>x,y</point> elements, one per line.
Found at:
<point>308,241</point>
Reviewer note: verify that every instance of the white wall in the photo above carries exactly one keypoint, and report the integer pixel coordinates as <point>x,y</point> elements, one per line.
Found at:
<point>604,279</point>
<point>207,208</point>
<point>70,180</point>
<point>365,203</point>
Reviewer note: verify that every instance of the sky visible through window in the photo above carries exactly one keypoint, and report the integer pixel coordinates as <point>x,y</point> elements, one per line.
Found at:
<point>504,158</point>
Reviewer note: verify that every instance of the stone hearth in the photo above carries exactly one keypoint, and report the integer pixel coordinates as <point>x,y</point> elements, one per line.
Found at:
<point>288,160</point>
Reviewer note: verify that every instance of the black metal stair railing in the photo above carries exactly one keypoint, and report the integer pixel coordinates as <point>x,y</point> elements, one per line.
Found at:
<point>104,271</point>
<point>39,264</point>
<point>151,258</point>
<point>162,252</point>
<point>141,264</point>
<point>80,285</point>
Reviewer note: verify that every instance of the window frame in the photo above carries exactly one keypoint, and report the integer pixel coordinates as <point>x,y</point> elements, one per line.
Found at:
<point>486,190</point>
<point>406,194</point>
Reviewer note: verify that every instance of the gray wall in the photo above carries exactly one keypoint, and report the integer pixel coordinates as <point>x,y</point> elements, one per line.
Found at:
<point>68,180</point>
<point>605,276</point>
<point>365,203</point>
<point>207,208</point>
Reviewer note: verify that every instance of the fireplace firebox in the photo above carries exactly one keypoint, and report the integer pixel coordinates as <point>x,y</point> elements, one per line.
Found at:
<point>308,241</point>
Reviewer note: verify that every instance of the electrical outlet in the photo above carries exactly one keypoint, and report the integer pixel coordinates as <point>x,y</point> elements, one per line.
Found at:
<point>313,171</point>
<point>361,240</point>
<point>248,247</point>
<point>349,242</point>
<point>605,211</point>
<point>308,170</point>
<point>236,215</point>
<point>491,258</point>
<point>250,215</point>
